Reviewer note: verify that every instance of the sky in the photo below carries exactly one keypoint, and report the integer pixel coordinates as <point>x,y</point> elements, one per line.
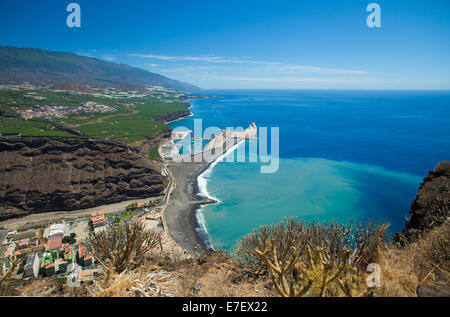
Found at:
<point>247,44</point>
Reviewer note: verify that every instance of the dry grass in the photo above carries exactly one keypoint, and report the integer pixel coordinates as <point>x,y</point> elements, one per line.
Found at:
<point>217,275</point>
<point>425,261</point>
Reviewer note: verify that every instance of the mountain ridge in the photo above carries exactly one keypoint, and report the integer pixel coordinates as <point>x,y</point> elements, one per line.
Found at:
<point>36,65</point>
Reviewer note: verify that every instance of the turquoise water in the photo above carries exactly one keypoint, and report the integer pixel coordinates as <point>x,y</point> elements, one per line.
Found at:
<point>344,156</point>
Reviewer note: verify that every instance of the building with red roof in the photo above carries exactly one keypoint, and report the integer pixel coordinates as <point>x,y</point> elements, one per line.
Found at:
<point>54,243</point>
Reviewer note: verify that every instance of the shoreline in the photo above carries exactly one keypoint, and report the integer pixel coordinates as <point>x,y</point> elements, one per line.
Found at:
<point>181,212</point>
<point>181,215</point>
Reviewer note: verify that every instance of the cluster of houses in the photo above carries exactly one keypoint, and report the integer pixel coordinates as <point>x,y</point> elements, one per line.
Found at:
<point>57,249</point>
<point>51,251</point>
<point>48,112</point>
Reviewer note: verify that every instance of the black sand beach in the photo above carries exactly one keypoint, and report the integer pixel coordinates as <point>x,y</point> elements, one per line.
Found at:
<point>183,204</point>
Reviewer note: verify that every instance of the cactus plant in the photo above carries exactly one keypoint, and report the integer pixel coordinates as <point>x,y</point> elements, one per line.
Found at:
<point>292,278</point>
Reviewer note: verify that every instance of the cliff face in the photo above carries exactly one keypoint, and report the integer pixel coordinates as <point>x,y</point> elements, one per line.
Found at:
<point>144,146</point>
<point>42,174</point>
<point>170,116</point>
<point>431,207</point>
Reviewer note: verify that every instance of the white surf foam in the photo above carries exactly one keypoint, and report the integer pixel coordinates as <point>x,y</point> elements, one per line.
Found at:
<point>202,179</point>
<point>168,122</point>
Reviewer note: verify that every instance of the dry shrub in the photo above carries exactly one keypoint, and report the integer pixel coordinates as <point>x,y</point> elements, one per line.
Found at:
<point>397,276</point>
<point>218,283</point>
<point>430,256</point>
<point>5,275</point>
<point>333,238</point>
<point>123,245</point>
<point>285,235</point>
<point>425,261</point>
<point>315,259</point>
<point>319,276</point>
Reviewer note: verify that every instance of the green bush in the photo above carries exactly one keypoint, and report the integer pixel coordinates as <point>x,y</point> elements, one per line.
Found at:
<point>69,239</point>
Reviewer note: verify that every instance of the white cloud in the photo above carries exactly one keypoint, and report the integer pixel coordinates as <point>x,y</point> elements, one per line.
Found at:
<point>272,66</point>
<point>295,79</point>
<point>205,58</point>
<point>314,69</point>
<point>181,58</point>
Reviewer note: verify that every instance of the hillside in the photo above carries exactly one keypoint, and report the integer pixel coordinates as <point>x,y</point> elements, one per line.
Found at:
<point>48,67</point>
<point>431,207</point>
<point>48,174</point>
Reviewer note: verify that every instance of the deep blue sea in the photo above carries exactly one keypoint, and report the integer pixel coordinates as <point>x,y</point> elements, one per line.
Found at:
<point>344,156</point>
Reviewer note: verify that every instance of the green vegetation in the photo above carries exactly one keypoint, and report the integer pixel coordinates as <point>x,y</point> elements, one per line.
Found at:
<point>117,219</point>
<point>61,280</point>
<point>134,119</point>
<point>21,269</point>
<point>38,97</point>
<point>135,125</point>
<point>154,154</point>
<point>127,214</point>
<point>35,127</point>
<point>132,206</point>
<point>69,239</point>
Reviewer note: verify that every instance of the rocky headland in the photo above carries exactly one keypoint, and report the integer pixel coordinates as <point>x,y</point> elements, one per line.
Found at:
<point>175,115</point>
<point>431,207</point>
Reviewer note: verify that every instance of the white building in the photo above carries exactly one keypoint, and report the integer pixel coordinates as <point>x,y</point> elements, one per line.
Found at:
<point>32,266</point>
<point>56,230</point>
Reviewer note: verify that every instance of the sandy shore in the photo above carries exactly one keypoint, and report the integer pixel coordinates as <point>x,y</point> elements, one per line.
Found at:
<point>183,204</point>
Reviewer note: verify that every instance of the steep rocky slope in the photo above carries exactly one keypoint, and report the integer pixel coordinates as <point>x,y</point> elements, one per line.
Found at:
<point>43,174</point>
<point>171,116</point>
<point>431,207</point>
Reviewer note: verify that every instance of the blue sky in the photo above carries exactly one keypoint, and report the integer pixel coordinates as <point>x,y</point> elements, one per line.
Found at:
<point>322,44</point>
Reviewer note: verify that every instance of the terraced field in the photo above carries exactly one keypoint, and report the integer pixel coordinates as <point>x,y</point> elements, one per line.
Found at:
<point>134,119</point>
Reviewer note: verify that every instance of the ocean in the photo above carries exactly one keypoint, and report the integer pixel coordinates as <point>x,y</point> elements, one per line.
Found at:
<point>344,155</point>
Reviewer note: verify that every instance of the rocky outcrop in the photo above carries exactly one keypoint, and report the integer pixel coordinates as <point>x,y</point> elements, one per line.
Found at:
<point>44,174</point>
<point>144,146</point>
<point>431,207</point>
<point>171,116</point>
<point>441,290</point>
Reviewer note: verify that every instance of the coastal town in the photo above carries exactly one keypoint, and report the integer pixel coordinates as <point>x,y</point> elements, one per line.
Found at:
<point>57,248</point>
<point>56,245</point>
<point>49,112</point>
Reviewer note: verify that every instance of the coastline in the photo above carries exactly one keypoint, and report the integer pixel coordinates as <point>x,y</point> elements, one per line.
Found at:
<point>184,223</point>
<point>181,212</point>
